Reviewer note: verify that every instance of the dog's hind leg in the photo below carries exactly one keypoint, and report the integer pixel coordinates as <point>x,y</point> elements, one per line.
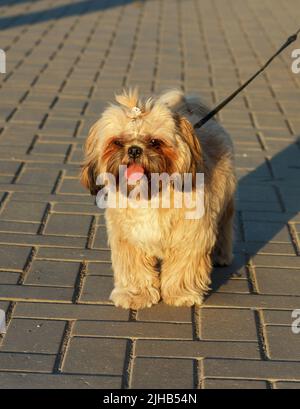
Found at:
<point>222,254</point>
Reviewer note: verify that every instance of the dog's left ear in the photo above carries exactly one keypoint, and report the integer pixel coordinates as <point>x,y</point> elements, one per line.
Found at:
<point>88,174</point>
<point>189,135</point>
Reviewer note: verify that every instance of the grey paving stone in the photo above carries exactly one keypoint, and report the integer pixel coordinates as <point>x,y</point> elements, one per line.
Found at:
<point>276,317</point>
<point>278,281</point>
<point>65,104</point>
<point>235,286</point>
<point>15,380</point>
<point>228,324</point>
<point>68,254</point>
<point>13,257</point>
<point>252,301</point>
<point>287,385</point>
<point>75,208</point>
<point>277,337</point>
<point>277,261</point>
<point>75,157</point>
<point>100,240</point>
<point>5,179</point>
<point>96,289</point>
<point>43,178</point>
<point>101,269</point>
<point>158,373</point>
<point>164,313</point>
<point>251,369</point>
<point>20,129</point>
<point>233,384</point>
<point>27,362</point>
<point>9,277</point>
<point>42,240</point>
<point>26,292</point>
<point>266,232</point>
<point>152,330</point>
<point>279,249</point>
<point>266,216</point>
<point>34,336</point>
<point>68,225</point>
<point>60,126</point>
<point>59,149</point>
<point>26,212</point>
<point>95,356</point>
<point>72,186</point>
<point>196,349</point>
<point>69,311</point>
<point>9,167</point>
<point>19,187</point>
<point>29,115</point>
<point>52,273</point>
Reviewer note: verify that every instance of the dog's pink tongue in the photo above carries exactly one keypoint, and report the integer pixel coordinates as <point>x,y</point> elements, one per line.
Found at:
<point>134,172</point>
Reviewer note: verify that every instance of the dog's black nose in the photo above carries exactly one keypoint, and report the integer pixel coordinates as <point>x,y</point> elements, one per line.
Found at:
<point>134,152</point>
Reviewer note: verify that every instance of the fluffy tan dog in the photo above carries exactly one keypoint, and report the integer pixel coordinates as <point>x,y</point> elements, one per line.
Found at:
<point>157,136</point>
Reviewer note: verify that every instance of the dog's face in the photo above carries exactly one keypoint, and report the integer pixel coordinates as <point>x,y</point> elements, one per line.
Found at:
<point>145,137</point>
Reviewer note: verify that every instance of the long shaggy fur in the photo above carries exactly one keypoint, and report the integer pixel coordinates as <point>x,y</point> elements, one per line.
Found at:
<point>139,238</point>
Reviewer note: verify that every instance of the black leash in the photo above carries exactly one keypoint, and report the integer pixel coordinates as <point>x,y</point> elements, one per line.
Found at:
<point>218,108</point>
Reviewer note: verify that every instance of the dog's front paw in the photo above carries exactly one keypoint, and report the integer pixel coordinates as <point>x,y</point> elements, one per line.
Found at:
<point>126,299</point>
<point>183,300</point>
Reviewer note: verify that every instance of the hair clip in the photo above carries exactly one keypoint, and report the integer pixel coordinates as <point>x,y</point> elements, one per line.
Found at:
<point>135,112</point>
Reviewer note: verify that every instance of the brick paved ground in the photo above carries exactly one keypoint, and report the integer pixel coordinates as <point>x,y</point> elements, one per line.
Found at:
<point>65,60</point>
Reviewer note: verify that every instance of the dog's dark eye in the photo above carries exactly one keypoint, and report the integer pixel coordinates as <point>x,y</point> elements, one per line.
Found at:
<point>154,142</point>
<point>118,143</point>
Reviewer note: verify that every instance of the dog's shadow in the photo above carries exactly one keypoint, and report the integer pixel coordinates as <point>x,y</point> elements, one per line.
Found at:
<point>58,12</point>
<point>267,199</point>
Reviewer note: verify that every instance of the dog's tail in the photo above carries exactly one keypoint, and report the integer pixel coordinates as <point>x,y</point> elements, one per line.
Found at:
<point>173,98</point>
<point>190,105</point>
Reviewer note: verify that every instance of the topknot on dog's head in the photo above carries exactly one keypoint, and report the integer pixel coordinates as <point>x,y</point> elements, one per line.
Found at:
<point>132,104</point>
<point>129,99</point>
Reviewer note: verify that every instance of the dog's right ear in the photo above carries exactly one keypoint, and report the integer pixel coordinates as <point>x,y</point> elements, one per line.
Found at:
<point>88,175</point>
